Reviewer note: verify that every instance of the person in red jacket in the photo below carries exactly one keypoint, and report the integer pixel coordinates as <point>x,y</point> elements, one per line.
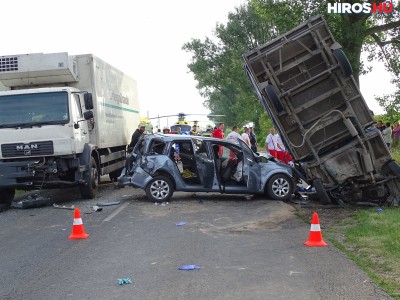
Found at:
<point>219,131</point>
<point>219,134</point>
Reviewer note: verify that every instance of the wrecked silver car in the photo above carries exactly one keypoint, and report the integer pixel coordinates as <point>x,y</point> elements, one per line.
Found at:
<point>162,164</point>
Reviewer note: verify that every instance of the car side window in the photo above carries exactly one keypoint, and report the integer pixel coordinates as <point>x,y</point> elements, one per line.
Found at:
<point>157,147</point>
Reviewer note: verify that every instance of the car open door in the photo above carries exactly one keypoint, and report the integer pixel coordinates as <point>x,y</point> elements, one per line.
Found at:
<point>204,162</point>
<point>251,168</point>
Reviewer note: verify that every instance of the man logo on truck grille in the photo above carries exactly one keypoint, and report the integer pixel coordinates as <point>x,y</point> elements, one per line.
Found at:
<point>27,152</point>
<point>27,147</point>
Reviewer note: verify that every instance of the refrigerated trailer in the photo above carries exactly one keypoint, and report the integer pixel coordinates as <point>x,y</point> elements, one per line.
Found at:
<point>304,81</point>
<point>65,120</point>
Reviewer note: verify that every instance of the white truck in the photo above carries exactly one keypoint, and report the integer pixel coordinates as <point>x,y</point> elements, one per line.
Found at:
<point>65,120</point>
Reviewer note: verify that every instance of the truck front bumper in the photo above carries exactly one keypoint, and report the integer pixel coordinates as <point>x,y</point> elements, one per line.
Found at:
<point>13,172</point>
<point>27,175</point>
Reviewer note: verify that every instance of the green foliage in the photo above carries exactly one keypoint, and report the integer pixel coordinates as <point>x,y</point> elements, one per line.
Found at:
<point>217,62</point>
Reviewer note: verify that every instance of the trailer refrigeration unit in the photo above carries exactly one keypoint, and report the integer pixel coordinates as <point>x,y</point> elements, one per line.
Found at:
<point>64,121</point>
<point>304,81</point>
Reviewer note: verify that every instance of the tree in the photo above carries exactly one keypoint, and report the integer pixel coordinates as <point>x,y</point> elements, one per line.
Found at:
<point>217,62</point>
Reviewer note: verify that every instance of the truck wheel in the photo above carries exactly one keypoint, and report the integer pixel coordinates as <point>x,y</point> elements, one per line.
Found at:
<point>159,189</point>
<point>280,187</point>
<point>321,192</point>
<point>7,196</point>
<point>91,177</point>
<point>343,62</point>
<point>273,97</point>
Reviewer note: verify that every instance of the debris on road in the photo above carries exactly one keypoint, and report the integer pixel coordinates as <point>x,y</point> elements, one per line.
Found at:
<point>189,267</point>
<point>64,207</point>
<point>97,208</point>
<point>30,202</point>
<point>181,224</point>
<point>109,203</point>
<point>122,281</point>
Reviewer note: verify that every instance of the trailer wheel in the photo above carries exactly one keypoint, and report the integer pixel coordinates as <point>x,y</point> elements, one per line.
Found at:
<point>279,187</point>
<point>394,168</point>
<point>273,97</point>
<point>92,179</point>
<point>321,192</point>
<point>343,62</point>
<point>7,196</point>
<point>159,189</point>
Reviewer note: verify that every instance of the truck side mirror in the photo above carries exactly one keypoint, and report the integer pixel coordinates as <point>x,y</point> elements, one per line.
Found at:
<point>88,115</point>
<point>88,100</point>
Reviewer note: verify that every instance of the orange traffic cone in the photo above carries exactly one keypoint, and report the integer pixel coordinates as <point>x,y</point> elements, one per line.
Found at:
<point>315,237</point>
<point>78,232</point>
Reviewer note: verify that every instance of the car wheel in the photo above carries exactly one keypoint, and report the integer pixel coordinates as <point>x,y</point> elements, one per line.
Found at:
<point>280,187</point>
<point>159,189</point>
<point>91,176</point>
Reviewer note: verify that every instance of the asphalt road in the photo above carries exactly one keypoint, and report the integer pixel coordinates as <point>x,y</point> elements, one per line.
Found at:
<point>246,249</point>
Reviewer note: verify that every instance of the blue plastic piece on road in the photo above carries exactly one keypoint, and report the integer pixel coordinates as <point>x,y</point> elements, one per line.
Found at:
<point>181,224</point>
<point>124,281</point>
<point>108,203</point>
<point>379,210</point>
<point>189,267</point>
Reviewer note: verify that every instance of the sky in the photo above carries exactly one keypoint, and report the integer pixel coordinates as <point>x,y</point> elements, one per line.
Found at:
<point>143,39</point>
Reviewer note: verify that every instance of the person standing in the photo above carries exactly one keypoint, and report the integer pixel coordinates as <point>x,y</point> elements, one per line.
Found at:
<point>136,136</point>
<point>219,131</point>
<point>245,136</point>
<point>380,125</point>
<point>271,143</point>
<point>395,135</point>
<point>281,150</point>
<point>166,130</point>
<point>253,140</point>
<point>387,134</point>
<point>234,135</point>
<point>219,134</point>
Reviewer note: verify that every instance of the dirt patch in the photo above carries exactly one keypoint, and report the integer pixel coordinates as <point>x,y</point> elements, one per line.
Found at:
<point>272,222</point>
<point>328,215</point>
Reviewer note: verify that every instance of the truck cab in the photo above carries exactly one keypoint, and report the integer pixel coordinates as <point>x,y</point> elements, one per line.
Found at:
<point>64,121</point>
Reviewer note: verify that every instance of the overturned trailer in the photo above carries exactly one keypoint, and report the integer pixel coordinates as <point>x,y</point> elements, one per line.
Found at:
<point>304,81</point>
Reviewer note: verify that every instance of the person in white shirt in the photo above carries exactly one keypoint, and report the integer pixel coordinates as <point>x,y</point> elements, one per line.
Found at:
<point>280,151</point>
<point>271,143</point>
<point>387,134</point>
<point>245,136</point>
<point>234,135</point>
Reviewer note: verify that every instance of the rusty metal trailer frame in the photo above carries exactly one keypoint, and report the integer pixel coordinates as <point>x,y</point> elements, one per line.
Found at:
<point>304,81</point>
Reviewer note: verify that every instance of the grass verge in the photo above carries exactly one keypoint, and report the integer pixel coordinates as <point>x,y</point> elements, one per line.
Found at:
<point>372,239</point>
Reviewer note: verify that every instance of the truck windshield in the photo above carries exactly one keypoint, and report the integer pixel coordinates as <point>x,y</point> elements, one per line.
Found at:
<point>34,109</point>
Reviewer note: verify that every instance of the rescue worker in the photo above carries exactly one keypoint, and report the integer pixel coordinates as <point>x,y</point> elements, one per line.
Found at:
<point>166,130</point>
<point>136,135</point>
